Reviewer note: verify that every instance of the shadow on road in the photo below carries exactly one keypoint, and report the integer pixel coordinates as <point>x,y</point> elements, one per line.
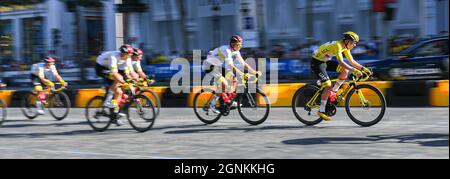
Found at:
<point>211,129</point>
<point>69,133</point>
<point>427,140</point>
<point>32,123</point>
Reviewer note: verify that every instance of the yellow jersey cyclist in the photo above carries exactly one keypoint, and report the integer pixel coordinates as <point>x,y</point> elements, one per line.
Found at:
<point>39,77</point>
<point>221,63</point>
<point>321,63</point>
<point>107,67</point>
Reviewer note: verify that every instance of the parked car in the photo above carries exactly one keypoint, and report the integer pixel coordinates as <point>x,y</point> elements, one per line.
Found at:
<point>427,59</point>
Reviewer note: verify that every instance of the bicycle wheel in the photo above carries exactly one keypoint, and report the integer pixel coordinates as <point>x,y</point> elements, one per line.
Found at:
<point>2,112</point>
<point>141,113</point>
<point>254,108</point>
<point>367,113</point>
<point>306,115</point>
<point>28,105</point>
<point>97,116</point>
<point>202,107</point>
<point>59,105</point>
<point>155,99</point>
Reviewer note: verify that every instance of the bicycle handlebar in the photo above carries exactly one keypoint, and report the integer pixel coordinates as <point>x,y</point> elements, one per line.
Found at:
<point>362,78</point>
<point>246,76</point>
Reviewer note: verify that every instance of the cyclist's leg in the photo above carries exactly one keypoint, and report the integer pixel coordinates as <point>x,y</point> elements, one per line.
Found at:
<point>342,76</point>
<point>40,93</point>
<point>106,74</point>
<point>221,84</point>
<point>320,69</point>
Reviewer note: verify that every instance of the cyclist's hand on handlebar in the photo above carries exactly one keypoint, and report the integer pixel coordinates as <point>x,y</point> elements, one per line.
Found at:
<point>132,81</point>
<point>357,72</point>
<point>150,81</point>
<point>50,84</point>
<point>64,83</point>
<point>367,71</point>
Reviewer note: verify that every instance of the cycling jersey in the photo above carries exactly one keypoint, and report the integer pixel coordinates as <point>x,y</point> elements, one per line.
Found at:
<point>112,61</point>
<point>327,51</point>
<point>221,58</point>
<point>136,65</point>
<point>40,69</point>
<point>224,56</point>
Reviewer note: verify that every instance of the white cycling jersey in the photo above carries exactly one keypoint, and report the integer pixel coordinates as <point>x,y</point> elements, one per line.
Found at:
<point>136,65</point>
<point>40,69</point>
<point>223,55</point>
<point>112,61</point>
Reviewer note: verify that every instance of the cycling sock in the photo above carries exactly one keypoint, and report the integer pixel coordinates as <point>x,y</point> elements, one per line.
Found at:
<point>338,85</point>
<point>110,95</point>
<point>214,100</point>
<point>323,104</point>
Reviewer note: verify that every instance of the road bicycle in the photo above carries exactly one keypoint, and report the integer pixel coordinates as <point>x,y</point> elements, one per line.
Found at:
<point>138,108</point>
<point>253,107</point>
<point>57,102</point>
<point>364,103</point>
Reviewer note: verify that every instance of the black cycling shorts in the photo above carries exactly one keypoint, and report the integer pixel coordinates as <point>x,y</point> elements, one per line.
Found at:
<point>105,73</point>
<point>320,68</point>
<point>36,80</point>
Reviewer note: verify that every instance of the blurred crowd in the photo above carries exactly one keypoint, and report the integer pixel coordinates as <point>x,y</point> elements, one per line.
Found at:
<point>366,49</point>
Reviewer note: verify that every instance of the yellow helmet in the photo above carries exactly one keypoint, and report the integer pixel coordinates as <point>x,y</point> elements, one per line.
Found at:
<point>351,36</point>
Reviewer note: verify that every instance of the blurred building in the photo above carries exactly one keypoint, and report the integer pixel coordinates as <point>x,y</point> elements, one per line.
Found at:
<point>44,27</point>
<point>162,26</point>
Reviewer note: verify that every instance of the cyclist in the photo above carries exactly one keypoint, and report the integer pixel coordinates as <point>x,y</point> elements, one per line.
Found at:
<point>221,61</point>
<point>137,71</point>
<point>39,78</point>
<point>321,63</point>
<point>107,67</point>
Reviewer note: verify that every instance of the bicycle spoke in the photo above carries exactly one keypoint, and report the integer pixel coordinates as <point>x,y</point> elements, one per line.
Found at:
<point>254,108</point>
<point>202,107</point>
<point>365,105</point>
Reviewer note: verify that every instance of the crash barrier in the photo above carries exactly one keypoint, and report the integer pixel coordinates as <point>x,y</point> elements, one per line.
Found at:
<point>6,95</point>
<point>428,93</point>
<point>439,94</point>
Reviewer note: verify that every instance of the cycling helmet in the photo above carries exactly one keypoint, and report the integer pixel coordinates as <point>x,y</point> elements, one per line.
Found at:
<point>137,52</point>
<point>351,36</point>
<point>49,59</point>
<point>126,49</point>
<point>236,39</point>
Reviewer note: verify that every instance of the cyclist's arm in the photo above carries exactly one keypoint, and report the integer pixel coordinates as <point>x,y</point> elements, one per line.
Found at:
<point>246,65</point>
<point>42,76</point>
<point>229,62</point>
<point>56,74</point>
<point>352,61</point>
<point>129,71</point>
<point>139,70</point>
<point>115,70</point>
<point>133,74</point>
<point>341,61</point>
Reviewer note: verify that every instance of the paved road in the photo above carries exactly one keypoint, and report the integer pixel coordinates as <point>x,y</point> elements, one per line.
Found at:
<point>404,133</point>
